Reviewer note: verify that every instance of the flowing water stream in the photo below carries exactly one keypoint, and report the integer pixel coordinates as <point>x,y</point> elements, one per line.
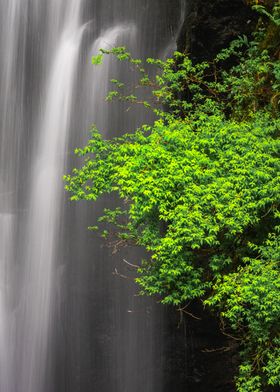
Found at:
<point>67,323</point>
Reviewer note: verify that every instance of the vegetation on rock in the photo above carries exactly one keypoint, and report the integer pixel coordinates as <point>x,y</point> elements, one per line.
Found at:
<point>199,189</point>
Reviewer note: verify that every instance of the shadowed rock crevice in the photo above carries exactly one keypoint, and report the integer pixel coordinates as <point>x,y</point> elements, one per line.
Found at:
<point>210,26</point>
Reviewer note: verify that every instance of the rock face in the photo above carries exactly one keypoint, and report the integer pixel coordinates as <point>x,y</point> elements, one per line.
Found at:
<point>210,26</point>
<point>200,358</point>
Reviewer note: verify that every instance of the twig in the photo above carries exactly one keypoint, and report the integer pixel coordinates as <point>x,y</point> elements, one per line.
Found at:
<point>183,310</point>
<point>116,272</point>
<point>190,314</point>
<point>230,336</point>
<point>213,350</point>
<point>130,264</point>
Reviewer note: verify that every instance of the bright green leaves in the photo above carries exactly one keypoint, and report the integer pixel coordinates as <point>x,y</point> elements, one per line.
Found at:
<point>198,187</point>
<point>250,299</point>
<point>248,381</point>
<point>97,60</point>
<point>205,182</point>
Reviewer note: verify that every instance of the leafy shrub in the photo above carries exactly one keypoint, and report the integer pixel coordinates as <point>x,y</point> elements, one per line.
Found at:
<point>199,189</point>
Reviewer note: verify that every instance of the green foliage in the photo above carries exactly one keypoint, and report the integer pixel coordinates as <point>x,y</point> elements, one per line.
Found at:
<point>205,182</point>
<point>250,301</point>
<point>97,60</point>
<point>274,17</point>
<point>199,190</point>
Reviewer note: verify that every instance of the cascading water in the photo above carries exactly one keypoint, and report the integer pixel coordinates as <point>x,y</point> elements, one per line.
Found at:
<point>66,323</point>
<point>44,210</point>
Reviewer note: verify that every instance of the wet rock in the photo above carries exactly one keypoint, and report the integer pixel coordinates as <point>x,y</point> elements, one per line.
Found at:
<point>210,26</point>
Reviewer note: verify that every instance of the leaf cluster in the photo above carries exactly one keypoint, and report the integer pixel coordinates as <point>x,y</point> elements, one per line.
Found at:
<point>250,301</point>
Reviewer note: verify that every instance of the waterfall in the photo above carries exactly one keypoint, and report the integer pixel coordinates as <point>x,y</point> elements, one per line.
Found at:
<point>45,197</point>
<point>6,227</point>
<point>66,323</point>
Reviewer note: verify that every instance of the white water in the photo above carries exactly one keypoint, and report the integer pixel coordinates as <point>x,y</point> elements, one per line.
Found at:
<point>63,317</point>
<point>6,325</point>
<point>45,203</point>
<point>11,126</point>
<point>97,110</point>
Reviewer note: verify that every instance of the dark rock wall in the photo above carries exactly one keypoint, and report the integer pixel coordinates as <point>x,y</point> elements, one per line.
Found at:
<point>198,356</point>
<point>211,25</point>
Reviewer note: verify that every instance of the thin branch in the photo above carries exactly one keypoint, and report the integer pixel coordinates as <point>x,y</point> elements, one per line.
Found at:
<point>190,314</point>
<point>116,272</point>
<point>213,350</point>
<point>270,209</point>
<point>232,337</point>
<point>183,310</point>
<point>222,329</point>
<point>130,264</point>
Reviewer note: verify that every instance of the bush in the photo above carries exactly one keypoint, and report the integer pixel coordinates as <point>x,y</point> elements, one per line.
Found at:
<point>199,189</point>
